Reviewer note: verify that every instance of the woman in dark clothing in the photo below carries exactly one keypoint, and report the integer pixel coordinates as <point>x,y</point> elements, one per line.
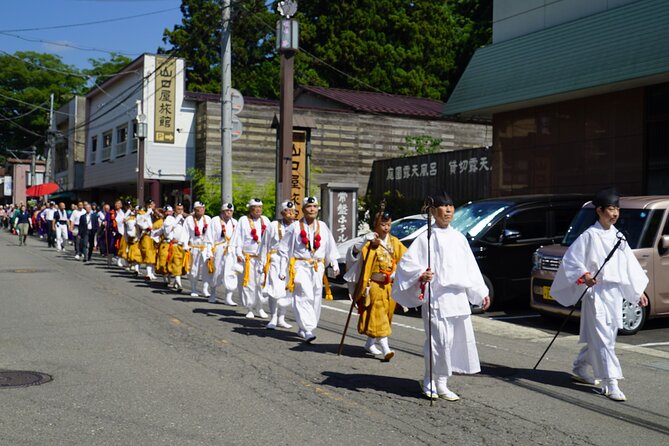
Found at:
<point>23,223</point>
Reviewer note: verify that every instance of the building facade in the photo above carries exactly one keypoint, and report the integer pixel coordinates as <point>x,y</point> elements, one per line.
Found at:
<point>578,95</point>
<point>150,90</point>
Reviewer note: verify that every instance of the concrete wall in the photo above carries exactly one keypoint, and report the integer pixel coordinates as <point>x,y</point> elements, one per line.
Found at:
<point>514,18</point>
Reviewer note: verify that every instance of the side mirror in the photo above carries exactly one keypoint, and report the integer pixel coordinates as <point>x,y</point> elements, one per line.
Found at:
<point>665,242</point>
<point>510,235</point>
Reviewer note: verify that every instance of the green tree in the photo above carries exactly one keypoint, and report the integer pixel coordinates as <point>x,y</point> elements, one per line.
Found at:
<point>101,69</point>
<point>255,70</point>
<point>420,145</point>
<point>417,48</point>
<point>400,47</point>
<point>26,81</point>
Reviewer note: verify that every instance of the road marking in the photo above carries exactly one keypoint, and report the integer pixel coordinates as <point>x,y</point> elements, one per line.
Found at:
<point>650,344</point>
<point>508,318</point>
<point>395,324</point>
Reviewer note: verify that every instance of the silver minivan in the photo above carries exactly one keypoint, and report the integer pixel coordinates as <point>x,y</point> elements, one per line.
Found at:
<point>645,221</point>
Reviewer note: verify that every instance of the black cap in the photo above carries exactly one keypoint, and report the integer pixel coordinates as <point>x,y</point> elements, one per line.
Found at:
<point>442,199</point>
<point>606,197</point>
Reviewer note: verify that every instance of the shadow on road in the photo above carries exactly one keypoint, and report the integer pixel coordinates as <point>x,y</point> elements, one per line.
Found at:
<point>361,381</point>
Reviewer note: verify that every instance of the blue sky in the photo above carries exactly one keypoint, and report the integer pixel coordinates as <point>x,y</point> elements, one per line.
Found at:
<point>130,36</point>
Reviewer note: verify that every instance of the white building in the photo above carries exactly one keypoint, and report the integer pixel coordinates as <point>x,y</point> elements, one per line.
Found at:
<point>153,86</point>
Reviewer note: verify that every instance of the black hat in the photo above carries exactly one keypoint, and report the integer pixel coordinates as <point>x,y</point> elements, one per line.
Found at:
<point>606,197</point>
<point>442,199</point>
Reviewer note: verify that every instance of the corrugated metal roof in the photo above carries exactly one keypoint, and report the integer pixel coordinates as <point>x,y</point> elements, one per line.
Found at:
<point>619,48</point>
<point>371,102</point>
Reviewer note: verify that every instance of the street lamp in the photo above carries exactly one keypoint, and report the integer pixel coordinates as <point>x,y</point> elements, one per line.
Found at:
<point>141,133</point>
<point>287,33</point>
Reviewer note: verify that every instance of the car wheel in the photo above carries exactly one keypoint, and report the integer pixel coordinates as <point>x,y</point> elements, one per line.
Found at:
<point>634,317</point>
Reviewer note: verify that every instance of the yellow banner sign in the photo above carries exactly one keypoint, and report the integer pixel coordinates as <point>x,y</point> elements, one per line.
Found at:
<point>299,169</point>
<point>165,96</point>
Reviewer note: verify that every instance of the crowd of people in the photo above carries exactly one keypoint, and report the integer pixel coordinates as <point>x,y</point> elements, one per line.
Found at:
<point>280,265</point>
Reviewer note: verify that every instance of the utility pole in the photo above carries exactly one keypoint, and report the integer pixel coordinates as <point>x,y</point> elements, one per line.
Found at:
<point>287,44</point>
<point>226,107</point>
<point>33,165</point>
<point>50,145</point>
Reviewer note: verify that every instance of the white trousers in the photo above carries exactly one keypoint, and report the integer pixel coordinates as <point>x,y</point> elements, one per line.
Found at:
<point>198,268</point>
<point>600,320</point>
<point>275,289</point>
<point>252,297</point>
<point>61,235</point>
<point>307,295</point>
<point>453,345</point>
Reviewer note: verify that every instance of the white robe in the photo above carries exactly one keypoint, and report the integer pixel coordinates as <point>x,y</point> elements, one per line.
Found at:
<point>457,282</point>
<point>308,291</point>
<point>199,248</point>
<point>217,240</point>
<point>601,307</point>
<point>275,287</point>
<point>242,244</point>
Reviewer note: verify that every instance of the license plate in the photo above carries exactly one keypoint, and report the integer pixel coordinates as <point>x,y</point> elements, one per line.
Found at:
<point>547,293</point>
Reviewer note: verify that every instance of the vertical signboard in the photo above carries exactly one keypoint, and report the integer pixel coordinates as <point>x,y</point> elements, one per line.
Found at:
<point>7,186</point>
<point>340,209</point>
<point>165,99</point>
<point>299,169</point>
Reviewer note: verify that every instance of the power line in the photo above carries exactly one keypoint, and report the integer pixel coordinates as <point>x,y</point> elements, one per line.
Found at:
<point>97,22</point>
<point>67,45</point>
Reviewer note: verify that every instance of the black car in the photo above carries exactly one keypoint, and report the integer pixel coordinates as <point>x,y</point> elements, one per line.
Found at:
<point>504,233</point>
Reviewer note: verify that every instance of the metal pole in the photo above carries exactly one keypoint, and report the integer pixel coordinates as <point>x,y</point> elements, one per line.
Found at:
<point>226,107</point>
<point>286,124</point>
<point>33,166</point>
<point>140,172</point>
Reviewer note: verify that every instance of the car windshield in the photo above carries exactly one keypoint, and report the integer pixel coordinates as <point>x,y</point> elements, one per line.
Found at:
<point>472,218</point>
<point>406,226</point>
<point>632,222</point>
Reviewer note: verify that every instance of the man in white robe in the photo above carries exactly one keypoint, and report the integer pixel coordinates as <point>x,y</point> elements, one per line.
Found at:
<point>219,236</point>
<point>601,307</point>
<point>307,248</point>
<point>273,286</point>
<point>454,279</point>
<point>245,243</point>
<point>197,225</point>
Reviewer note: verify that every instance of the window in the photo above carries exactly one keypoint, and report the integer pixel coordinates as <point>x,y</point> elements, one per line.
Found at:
<point>121,141</point>
<point>530,223</point>
<point>106,145</point>
<point>94,149</point>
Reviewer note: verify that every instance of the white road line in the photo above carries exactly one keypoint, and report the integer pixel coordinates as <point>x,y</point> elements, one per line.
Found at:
<point>395,324</point>
<point>508,318</point>
<point>651,344</point>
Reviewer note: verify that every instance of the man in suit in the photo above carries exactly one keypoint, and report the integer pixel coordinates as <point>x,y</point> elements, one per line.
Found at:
<point>85,227</point>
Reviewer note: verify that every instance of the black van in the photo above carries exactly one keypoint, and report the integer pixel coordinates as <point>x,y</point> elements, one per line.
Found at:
<point>504,233</point>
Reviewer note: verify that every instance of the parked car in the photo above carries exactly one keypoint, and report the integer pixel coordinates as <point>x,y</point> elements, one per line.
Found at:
<point>505,232</point>
<point>645,221</point>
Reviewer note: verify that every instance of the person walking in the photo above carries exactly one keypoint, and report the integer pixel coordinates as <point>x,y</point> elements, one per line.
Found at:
<point>273,286</point>
<point>444,288</point>
<point>245,243</point>
<point>602,305</point>
<point>306,249</point>
<point>22,224</point>
<point>373,272</point>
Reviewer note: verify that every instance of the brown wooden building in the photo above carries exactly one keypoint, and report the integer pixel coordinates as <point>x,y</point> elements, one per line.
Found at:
<point>349,130</point>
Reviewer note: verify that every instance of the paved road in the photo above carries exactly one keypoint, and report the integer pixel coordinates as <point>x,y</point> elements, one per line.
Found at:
<point>135,364</point>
